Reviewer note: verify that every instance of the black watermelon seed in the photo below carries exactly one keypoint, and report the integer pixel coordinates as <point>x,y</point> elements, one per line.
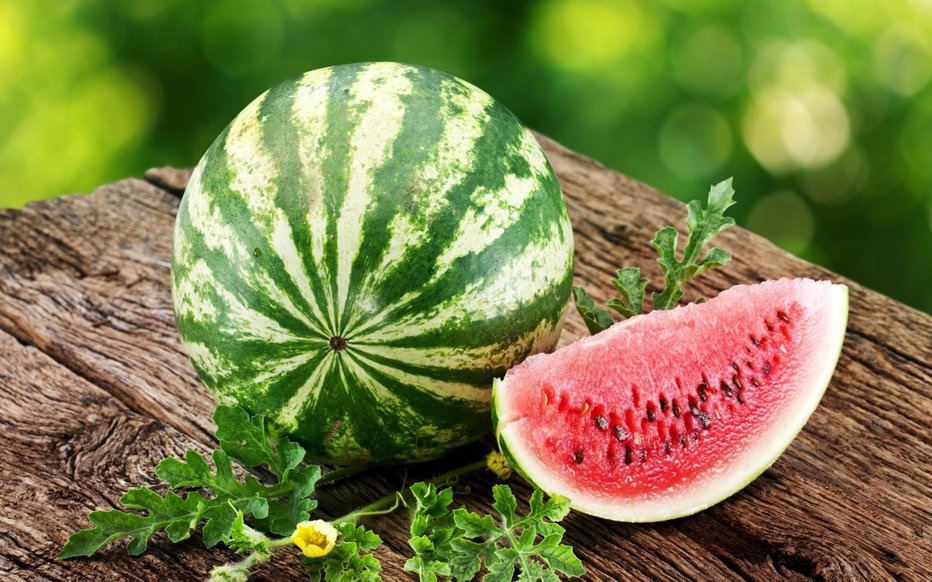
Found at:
<point>755,383</point>
<point>628,455</point>
<point>736,366</point>
<point>754,340</point>
<point>579,456</point>
<point>676,409</point>
<point>767,369</point>
<point>695,435</point>
<point>601,423</point>
<point>620,432</point>
<point>782,315</point>
<point>667,449</point>
<point>740,398</point>
<point>683,440</point>
<point>726,389</point>
<point>664,404</point>
<point>704,419</point>
<point>701,390</point>
<point>737,382</point>
<point>651,417</point>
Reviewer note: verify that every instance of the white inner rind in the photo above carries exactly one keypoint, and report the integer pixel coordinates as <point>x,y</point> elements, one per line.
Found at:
<point>711,488</point>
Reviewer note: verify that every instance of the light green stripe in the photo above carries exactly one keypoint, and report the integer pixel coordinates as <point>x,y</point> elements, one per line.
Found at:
<point>422,186</point>
<point>256,180</point>
<point>310,122</point>
<point>441,388</point>
<point>307,395</point>
<point>378,89</point>
<point>536,271</point>
<point>496,356</point>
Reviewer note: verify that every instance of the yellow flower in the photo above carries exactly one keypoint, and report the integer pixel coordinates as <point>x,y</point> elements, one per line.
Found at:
<point>498,465</point>
<point>315,538</point>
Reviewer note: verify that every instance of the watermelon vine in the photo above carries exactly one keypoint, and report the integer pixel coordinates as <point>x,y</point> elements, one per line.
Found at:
<point>702,224</point>
<point>261,519</point>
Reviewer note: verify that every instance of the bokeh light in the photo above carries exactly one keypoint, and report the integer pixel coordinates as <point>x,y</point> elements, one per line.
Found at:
<point>240,36</point>
<point>903,59</point>
<point>696,72</point>
<point>590,35</point>
<point>784,218</point>
<point>695,141</point>
<point>796,119</point>
<point>822,111</point>
<point>839,181</point>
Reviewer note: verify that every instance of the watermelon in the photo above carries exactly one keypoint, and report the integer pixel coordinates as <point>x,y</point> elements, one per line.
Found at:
<point>665,414</point>
<point>362,251</point>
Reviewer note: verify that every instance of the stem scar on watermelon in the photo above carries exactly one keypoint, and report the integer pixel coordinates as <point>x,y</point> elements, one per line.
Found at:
<point>665,414</point>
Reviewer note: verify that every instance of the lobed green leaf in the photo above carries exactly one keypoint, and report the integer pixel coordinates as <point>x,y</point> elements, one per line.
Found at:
<point>350,559</point>
<point>275,508</point>
<point>177,516</point>
<point>595,318</point>
<point>245,438</point>
<point>703,223</point>
<point>503,546</point>
<point>631,286</point>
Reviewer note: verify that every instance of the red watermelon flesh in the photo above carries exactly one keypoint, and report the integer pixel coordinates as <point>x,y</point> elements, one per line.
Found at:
<point>667,413</point>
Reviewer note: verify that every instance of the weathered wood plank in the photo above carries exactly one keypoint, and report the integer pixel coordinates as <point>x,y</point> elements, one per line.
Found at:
<point>86,280</point>
<point>101,390</point>
<point>70,447</point>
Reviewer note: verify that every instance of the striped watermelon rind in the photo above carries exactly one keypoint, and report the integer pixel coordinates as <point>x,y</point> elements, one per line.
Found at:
<point>362,251</point>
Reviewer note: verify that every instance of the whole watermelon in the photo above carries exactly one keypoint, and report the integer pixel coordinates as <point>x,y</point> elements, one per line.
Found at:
<point>362,251</point>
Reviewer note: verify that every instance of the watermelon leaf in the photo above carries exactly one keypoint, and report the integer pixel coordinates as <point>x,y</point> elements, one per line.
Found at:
<point>595,318</point>
<point>631,285</point>
<point>284,513</point>
<point>222,498</point>
<point>350,559</point>
<point>178,516</point>
<point>246,439</point>
<point>703,223</point>
<point>244,539</point>
<point>460,543</point>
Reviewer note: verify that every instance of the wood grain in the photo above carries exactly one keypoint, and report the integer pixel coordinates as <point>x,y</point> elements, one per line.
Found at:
<point>96,389</point>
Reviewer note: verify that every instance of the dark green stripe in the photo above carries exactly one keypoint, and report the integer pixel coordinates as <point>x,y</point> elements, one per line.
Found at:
<point>397,182</point>
<point>318,419</point>
<point>342,120</point>
<point>444,413</point>
<point>478,377</point>
<point>417,267</point>
<point>282,388</point>
<point>282,141</point>
<point>215,182</point>
<point>531,226</point>
<point>504,329</point>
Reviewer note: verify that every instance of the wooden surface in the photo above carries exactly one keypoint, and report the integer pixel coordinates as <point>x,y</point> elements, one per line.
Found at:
<point>95,389</point>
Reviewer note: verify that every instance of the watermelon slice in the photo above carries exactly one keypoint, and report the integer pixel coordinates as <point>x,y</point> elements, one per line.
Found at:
<point>665,414</point>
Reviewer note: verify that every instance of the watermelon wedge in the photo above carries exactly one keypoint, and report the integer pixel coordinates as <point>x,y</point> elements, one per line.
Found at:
<point>665,414</point>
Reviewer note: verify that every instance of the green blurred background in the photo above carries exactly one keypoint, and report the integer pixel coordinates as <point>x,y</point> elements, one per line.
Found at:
<point>821,110</point>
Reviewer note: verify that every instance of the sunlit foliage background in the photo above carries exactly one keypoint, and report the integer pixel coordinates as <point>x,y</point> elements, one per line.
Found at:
<point>822,110</point>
